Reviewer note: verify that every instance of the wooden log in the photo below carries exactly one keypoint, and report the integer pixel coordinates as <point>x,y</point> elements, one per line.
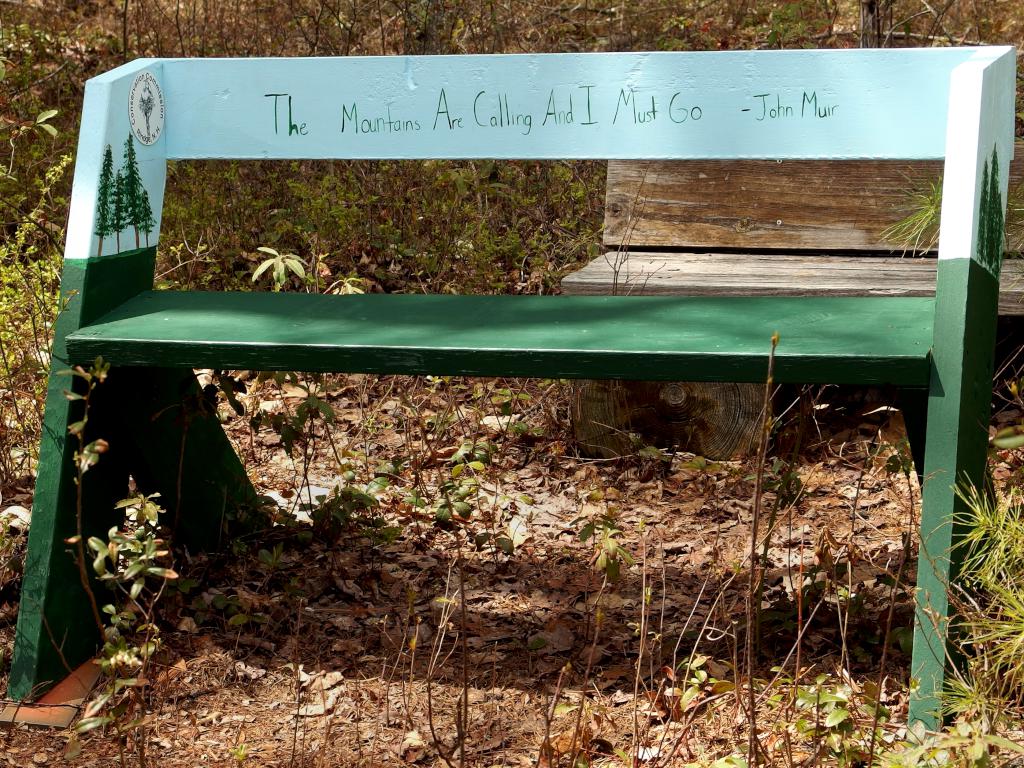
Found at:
<point>713,419</point>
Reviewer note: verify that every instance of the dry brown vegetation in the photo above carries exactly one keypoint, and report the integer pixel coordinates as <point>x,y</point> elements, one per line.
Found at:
<point>434,615</point>
<point>361,651</point>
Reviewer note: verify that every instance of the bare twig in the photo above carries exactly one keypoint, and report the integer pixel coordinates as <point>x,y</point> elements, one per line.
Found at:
<point>762,455</point>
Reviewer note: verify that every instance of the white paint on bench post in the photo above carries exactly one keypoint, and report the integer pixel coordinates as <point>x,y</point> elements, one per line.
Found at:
<point>107,124</point>
<point>982,86</point>
<point>746,104</point>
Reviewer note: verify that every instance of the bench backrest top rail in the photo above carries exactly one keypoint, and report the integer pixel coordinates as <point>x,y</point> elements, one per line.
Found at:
<point>754,104</point>
<point>882,104</point>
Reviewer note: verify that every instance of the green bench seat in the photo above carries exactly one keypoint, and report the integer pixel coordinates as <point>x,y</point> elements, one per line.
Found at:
<point>878,340</point>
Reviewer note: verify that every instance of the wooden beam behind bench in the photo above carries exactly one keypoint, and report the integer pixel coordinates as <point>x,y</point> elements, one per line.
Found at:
<point>773,274</point>
<point>786,205</point>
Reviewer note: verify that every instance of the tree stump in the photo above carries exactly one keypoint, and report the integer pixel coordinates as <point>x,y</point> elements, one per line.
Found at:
<point>714,420</point>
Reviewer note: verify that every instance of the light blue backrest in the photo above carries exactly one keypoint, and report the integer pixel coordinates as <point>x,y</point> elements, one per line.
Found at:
<point>770,104</point>
<point>753,104</point>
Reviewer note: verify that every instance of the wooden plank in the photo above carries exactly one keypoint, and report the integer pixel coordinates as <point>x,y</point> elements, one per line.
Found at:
<point>871,340</point>
<point>794,204</point>
<point>775,274</point>
<point>59,707</point>
<point>724,104</point>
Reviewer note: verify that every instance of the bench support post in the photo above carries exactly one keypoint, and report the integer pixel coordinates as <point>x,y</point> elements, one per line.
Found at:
<point>56,629</point>
<point>913,404</point>
<point>979,148</point>
<point>152,419</point>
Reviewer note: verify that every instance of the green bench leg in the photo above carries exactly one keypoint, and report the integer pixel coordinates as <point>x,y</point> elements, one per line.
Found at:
<point>148,418</point>
<point>146,415</point>
<point>913,404</point>
<point>56,628</point>
<point>178,445</point>
<point>957,441</point>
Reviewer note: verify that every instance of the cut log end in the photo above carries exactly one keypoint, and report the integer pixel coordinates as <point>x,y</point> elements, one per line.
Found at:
<point>715,420</point>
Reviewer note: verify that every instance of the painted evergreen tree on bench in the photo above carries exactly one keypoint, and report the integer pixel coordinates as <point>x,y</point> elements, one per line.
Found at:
<point>122,200</point>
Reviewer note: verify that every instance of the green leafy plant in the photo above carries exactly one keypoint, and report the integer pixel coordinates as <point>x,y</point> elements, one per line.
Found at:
<point>455,493</point>
<point>279,265</point>
<point>609,554</point>
<point>964,745</point>
<point>337,511</point>
<point>131,560</point>
<point>30,263</point>
<point>239,753</point>
<point>827,714</point>
<point>12,128</point>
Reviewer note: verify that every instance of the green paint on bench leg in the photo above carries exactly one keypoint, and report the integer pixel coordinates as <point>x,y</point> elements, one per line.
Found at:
<point>913,404</point>
<point>828,340</point>
<point>179,443</point>
<point>958,412</point>
<point>56,629</point>
<point>139,413</point>
<point>958,417</point>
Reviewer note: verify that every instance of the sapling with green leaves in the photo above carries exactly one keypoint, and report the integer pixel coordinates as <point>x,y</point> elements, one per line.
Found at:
<point>132,562</point>
<point>279,264</point>
<point>87,455</point>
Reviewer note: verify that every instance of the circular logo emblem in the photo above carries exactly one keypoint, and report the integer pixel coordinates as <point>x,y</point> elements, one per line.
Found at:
<point>146,108</point>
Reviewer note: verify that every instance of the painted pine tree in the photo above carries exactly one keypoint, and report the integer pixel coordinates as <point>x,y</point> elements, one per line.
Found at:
<point>106,191</point>
<point>145,220</point>
<point>118,217</point>
<point>990,225</point>
<point>133,189</point>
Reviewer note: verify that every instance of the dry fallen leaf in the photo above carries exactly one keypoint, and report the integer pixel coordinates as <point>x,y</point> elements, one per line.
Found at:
<point>413,747</point>
<point>566,742</point>
<point>556,637</point>
<point>323,704</point>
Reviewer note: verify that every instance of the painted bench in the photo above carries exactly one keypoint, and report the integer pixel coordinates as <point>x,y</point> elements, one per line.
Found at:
<point>955,104</point>
<point>742,227</point>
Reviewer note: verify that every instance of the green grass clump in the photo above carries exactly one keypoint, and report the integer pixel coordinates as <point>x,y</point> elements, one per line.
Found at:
<point>918,231</point>
<point>992,607</point>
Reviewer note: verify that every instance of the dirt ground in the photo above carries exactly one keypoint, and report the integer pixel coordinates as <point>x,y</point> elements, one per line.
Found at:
<point>353,647</point>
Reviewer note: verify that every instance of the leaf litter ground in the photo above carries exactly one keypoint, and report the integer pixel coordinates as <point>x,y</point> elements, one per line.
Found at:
<point>353,647</point>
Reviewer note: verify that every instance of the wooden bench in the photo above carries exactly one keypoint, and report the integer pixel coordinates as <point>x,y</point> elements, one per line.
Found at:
<point>638,106</point>
<point>753,228</point>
